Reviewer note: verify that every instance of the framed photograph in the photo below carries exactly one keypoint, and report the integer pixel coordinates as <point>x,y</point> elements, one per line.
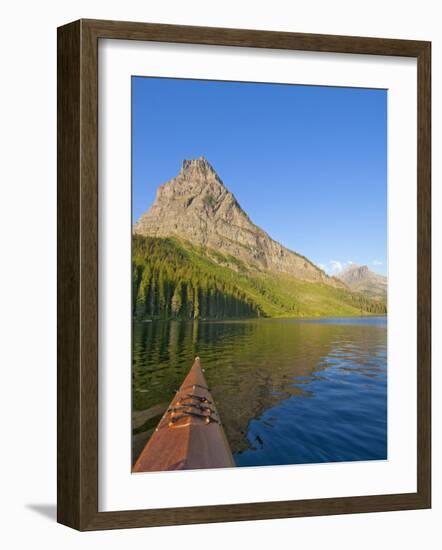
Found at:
<point>243,274</point>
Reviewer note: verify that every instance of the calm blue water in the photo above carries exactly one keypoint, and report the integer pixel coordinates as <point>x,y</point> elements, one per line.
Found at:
<point>288,391</point>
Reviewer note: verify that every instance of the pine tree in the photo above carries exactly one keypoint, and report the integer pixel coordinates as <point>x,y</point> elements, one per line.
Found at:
<point>140,305</point>
<point>176,303</point>
<point>196,302</point>
<point>162,306</point>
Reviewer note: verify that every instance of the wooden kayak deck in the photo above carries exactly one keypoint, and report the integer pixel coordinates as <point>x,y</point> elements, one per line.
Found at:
<point>189,436</point>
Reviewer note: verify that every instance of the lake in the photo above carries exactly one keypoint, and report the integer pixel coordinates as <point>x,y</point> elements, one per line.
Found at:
<point>288,391</point>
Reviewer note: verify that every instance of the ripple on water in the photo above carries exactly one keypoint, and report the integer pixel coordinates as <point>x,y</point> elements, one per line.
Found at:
<point>289,392</point>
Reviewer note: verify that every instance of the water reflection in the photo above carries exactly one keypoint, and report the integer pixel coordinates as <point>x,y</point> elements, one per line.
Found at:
<point>287,391</point>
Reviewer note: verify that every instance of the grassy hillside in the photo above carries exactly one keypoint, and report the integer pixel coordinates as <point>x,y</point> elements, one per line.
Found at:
<point>372,289</point>
<point>174,279</point>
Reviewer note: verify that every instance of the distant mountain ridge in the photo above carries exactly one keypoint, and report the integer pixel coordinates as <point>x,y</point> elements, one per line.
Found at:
<point>360,278</point>
<point>196,206</point>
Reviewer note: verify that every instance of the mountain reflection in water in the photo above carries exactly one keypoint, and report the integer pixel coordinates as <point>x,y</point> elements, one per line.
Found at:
<point>288,391</point>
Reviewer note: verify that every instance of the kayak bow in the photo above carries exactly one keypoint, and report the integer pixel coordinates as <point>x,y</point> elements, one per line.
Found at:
<point>189,436</point>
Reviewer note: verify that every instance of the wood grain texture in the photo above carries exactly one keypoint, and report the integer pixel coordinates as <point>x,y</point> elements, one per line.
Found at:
<point>184,442</point>
<point>424,274</point>
<point>68,276</point>
<point>77,168</point>
<point>252,38</point>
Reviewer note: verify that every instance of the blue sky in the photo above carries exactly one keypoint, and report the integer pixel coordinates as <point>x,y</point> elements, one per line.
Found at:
<point>307,163</point>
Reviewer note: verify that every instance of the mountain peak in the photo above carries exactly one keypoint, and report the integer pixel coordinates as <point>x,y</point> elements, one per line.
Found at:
<point>198,167</point>
<point>360,278</point>
<point>355,270</point>
<point>197,207</point>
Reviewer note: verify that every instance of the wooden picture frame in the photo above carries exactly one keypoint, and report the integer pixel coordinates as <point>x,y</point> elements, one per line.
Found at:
<point>78,274</point>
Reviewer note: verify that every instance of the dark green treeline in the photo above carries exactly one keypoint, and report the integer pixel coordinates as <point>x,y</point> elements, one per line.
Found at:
<point>169,284</point>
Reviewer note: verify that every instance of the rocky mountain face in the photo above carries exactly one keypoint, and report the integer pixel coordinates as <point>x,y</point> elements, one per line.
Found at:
<point>197,207</point>
<point>360,278</point>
